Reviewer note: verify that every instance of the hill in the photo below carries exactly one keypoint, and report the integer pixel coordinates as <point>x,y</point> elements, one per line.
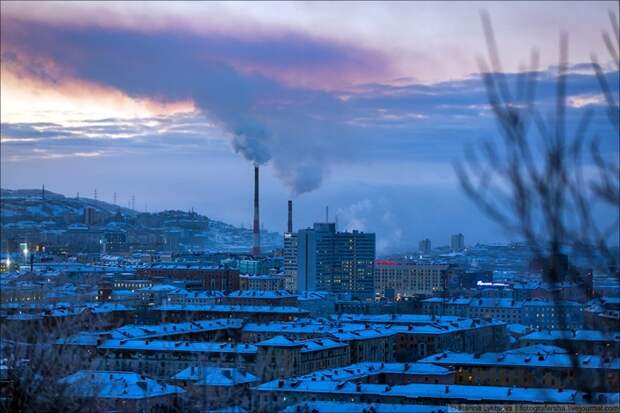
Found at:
<point>29,210</point>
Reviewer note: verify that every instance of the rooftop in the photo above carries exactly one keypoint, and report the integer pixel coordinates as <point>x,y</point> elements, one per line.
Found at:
<point>418,391</point>
<point>350,407</point>
<point>222,308</point>
<point>178,346</point>
<point>305,345</point>
<point>582,335</point>
<point>415,320</point>
<point>250,294</point>
<point>369,368</point>
<point>302,327</point>
<point>215,376</point>
<point>415,391</point>
<point>117,385</point>
<point>524,357</point>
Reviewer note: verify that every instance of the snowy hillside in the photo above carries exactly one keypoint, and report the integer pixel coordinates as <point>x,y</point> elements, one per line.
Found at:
<point>31,210</point>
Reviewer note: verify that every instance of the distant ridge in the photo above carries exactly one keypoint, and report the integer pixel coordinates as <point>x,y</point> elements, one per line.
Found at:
<point>26,208</point>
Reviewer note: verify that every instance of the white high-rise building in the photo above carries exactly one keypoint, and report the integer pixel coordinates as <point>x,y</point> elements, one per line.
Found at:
<point>457,242</point>
<point>290,261</point>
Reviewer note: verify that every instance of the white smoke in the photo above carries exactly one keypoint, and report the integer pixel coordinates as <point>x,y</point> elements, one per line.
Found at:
<point>359,215</point>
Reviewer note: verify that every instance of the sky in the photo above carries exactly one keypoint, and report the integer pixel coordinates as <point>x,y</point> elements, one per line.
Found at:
<point>364,107</point>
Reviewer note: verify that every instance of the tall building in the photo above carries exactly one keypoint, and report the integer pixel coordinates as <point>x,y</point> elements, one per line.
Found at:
<point>457,242</point>
<point>89,216</point>
<point>335,261</point>
<point>290,252</point>
<point>424,247</point>
<point>290,261</point>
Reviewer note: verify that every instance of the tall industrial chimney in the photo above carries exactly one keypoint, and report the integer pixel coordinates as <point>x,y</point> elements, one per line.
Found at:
<point>256,234</point>
<point>289,227</point>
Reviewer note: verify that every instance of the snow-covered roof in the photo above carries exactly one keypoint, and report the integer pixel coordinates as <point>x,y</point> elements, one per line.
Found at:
<point>313,295</point>
<point>581,335</point>
<point>215,376</point>
<point>280,341</point>
<point>108,307</point>
<point>370,368</point>
<point>265,277</point>
<point>417,323</point>
<point>117,385</point>
<point>160,288</point>
<point>183,266</point>
<point>168,329</point>
<point>351,407</point>
<point>305,345</point>
<point>177,346</point>
<point>406,319</point>
<point>123,293</point>
<point>458,300</point>
<point>365,334</point>
<point>301,327</point>
<point>223,308</point>
<point>199,294</point>
<point>416,391</point>
<point>517,329</point>
<point>251,294</point>
<point>522,359</point>
<point>496,303</point>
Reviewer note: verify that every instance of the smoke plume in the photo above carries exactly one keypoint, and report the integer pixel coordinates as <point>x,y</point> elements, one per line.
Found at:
<point>296,128</point>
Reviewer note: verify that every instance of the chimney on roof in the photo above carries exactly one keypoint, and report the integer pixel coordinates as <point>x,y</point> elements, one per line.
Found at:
<point>256,226</point>
<point>289,227</point>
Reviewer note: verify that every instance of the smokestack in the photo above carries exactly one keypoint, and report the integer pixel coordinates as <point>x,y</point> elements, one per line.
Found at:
<point>290,217</point>
<point>256,234</point>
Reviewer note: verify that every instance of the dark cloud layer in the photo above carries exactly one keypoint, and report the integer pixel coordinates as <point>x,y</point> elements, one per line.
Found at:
<point>301,130</point>
<point>243,89</point>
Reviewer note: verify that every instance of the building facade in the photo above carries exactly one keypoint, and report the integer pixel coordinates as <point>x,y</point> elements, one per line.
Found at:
<point>457,242</point>
<point>424,247</point>
<point>335,261</point>
<point>290,261</point>
<point>409,278</point>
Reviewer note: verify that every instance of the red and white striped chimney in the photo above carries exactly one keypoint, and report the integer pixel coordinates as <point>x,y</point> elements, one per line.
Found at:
<point>256,233</point>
